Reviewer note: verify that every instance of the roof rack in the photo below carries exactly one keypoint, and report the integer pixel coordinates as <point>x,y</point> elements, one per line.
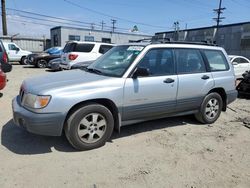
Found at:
<point>157,40</point>
<point>144,40</point>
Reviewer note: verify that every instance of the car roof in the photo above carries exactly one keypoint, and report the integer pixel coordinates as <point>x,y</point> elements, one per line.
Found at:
<point>175,45</point>
<point>90,42</point>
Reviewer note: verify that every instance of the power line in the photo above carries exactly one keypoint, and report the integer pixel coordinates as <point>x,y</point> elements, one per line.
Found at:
<point>43,15</point>
<point>89,24</point>
<point>110,16</point>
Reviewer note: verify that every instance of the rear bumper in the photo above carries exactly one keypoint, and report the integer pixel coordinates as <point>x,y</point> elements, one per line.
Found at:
<point>231,96</point>
<point>50,124</point>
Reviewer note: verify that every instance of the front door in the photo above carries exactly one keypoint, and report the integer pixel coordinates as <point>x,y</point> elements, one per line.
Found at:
<point>154,95</point>
<point>13,52</point>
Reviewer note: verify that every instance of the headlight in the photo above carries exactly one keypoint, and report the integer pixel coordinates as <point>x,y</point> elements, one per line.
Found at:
<point>35,101</point>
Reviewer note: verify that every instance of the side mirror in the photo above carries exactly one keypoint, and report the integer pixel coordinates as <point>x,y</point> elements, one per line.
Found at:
<point>17,49</point>
<point>235,63</point>
<point>6,67</point>
<point>140,71</point>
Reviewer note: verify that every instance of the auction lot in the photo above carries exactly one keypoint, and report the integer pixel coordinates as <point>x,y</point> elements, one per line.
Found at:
<point>172,152</point>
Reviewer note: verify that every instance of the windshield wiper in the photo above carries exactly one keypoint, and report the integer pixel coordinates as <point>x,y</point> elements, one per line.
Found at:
<point>93,70</point>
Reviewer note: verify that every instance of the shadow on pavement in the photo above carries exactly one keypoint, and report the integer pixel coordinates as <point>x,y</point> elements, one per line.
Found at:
<point>22,142</point>
<point>154,125</point>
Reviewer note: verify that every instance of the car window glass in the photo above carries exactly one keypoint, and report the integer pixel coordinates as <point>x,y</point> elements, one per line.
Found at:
<point>69,47</point>
<point>84,47</point>
<point>189,61</point>
<point>104,48</point>
<point>216,60</point>
<point>158,62</point>
<point>12,47</point>
<point>242,60</point>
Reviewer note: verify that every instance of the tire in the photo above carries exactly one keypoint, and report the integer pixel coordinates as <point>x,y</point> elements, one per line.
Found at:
<point>41,63</point>
<point>210,109</point>
<point>89,127</point>
<point>23,61</point>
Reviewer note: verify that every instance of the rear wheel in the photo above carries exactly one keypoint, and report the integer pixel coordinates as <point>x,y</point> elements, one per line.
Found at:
<point>89,127</point>
<point>210,108</point>
<point>41,63</point>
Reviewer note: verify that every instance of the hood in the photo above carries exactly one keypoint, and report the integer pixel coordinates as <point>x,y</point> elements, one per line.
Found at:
<point>47,84</point>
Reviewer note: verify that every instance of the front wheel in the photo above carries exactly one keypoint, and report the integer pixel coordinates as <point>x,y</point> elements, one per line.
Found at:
<point>89,127</point>
<point>210,108</point>
<point>41,63</point>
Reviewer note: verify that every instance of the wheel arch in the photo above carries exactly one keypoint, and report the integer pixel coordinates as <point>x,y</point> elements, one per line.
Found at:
<point>102,101</point>
<point>223,95</point>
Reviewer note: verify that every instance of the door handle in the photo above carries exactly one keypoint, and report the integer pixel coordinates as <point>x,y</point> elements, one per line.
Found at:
<point>168,80</point>
<point>205,77</point>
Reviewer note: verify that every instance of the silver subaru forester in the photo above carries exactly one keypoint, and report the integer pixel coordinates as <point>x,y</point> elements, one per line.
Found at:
<point>131,83</point>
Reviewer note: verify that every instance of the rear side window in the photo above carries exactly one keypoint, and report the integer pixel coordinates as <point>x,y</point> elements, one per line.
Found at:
<point>189,61</point>
<point>216,60</point>
<point>84,47</point>
<point>104,48</point>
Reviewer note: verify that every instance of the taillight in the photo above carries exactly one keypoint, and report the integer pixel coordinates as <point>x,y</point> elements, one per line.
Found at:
<point>5,58</point>
<point>72,56</point>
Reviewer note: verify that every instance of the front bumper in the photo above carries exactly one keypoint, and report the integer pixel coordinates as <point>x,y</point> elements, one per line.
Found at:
<point>50,124</point>
<point>65,66</point>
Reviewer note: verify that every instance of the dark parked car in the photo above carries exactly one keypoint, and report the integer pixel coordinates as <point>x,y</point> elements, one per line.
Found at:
<point>4,63</point>
<point>81,65</point>
<point>41,60</point>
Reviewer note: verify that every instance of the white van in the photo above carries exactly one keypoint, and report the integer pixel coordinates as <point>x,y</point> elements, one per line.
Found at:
<point>15,53</point>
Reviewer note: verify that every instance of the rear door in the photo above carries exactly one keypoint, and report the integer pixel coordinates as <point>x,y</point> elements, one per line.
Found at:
<point>194,79</point>
<point>154,95</point>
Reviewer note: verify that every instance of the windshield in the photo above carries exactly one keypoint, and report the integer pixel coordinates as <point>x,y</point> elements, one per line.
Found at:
<point>117,60</point>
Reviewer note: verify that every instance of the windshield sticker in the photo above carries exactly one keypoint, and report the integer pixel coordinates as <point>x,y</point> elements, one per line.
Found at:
<point>135,48</point>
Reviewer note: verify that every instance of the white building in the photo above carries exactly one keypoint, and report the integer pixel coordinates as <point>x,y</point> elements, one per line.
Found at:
<point>61,34</point>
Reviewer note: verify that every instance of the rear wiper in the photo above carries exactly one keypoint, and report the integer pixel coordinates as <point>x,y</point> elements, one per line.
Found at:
<point>92,70</point>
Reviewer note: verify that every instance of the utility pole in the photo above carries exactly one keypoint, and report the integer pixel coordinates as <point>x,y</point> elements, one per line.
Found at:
<point>92,26</point>
<point>219,11</point>
<point>113,25</point>
<point>176,30</point>
<point>102,24</point>
<point>4,22</point>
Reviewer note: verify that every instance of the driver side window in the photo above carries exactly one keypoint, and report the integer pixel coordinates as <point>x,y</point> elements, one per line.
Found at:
<point>12,47</point>
<point>159,62</point>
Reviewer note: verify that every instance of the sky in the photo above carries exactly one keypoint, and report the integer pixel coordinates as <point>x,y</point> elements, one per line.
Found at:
<point>151,16</point>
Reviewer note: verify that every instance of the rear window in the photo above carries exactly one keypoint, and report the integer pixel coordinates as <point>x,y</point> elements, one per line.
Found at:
<point>104,48</point>
<point>84,47</point>
<point>216,60</point>
<point>69,47</point>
